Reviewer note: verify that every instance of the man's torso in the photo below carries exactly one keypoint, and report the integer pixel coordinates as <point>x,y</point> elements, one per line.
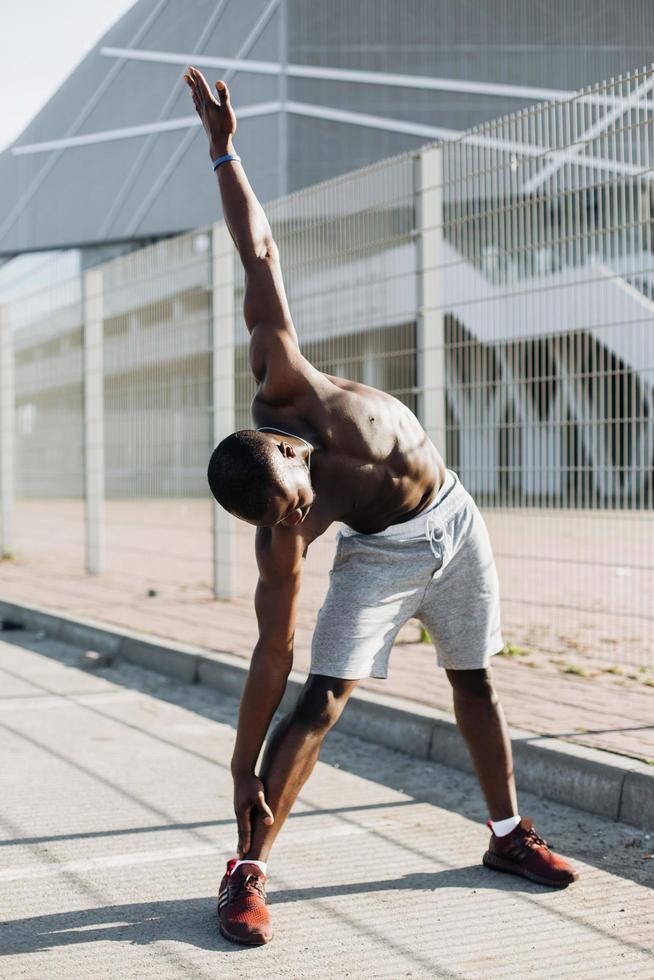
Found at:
<point>373,464</point>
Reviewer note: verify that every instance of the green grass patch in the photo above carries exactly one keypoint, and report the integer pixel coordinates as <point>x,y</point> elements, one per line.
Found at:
<point>511,650</point>
<point>573,669</point>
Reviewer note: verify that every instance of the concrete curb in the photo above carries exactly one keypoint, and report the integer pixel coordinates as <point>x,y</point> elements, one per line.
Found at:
<point>592,780</point>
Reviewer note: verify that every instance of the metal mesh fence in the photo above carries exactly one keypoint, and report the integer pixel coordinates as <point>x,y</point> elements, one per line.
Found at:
<point>49,424</point>
<point>348,254</point>
<point>547,278</point>
<point>157,367</point>
<point>519,310</point>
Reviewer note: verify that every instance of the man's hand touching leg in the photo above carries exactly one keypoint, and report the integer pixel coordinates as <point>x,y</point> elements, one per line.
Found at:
<point>249,801</point>
<point>290,757</point>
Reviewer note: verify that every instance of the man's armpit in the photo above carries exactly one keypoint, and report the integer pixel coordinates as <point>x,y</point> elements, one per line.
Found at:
<point>278,365</point>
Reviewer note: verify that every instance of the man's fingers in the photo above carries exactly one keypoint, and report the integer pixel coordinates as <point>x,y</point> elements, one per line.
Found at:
<point>244,821</point>
<point>268,817</point>
<point>201,85</point>
<point>191,84</point>
<point>244,839</point>
<point>244,830</point>
<point>223,92</point>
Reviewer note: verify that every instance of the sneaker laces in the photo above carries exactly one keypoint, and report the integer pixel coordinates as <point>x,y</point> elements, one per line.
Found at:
<point>532,839</point>
<point>251,885</point>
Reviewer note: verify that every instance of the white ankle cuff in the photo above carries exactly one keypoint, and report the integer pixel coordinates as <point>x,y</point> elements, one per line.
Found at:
<point>503,827</point>
<point>262,865</point>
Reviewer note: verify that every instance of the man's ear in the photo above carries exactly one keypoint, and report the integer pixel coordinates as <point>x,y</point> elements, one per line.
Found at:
<point>287,450</point>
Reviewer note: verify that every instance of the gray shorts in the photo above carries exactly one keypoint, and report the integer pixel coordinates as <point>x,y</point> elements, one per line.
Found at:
<point>437,567</point>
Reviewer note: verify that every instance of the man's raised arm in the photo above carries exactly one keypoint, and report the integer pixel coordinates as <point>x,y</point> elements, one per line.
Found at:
<point>265,308</point>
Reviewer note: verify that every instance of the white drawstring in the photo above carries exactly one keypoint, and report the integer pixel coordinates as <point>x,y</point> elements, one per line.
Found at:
<point>435,534</point>
<point>283,432</point>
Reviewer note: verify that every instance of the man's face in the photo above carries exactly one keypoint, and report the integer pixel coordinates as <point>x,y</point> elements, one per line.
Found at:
<point>291,494</point>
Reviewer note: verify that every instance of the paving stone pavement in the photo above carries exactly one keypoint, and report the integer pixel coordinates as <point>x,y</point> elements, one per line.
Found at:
<point>116,820</point>
<point>587,677</point>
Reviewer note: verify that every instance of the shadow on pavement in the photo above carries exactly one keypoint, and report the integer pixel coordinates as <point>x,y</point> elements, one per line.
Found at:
<point>405,775</point>
<point>193,921</point>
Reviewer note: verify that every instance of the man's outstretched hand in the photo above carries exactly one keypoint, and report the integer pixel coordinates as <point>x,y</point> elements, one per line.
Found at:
<point>216,113</point>
<point>249,800</point>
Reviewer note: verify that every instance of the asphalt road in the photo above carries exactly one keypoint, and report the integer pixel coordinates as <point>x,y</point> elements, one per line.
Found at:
<point>115,810</point>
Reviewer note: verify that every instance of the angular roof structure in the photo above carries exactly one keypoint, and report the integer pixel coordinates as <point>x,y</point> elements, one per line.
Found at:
<point>117,155</point>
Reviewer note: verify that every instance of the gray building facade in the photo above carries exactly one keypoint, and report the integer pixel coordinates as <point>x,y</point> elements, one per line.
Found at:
<point>116,157</point>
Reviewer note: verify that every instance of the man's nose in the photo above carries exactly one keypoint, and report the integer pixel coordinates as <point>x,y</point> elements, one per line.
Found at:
<point>293,518</point>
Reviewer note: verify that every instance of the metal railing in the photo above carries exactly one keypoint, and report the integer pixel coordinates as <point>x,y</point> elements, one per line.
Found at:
<point>501,285</point>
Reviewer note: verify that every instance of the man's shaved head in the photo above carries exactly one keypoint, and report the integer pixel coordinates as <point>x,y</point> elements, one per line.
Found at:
<point>246,474</point>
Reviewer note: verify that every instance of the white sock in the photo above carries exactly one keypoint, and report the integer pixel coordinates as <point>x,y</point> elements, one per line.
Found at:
<point>262,865</point>
<point>503,827</point>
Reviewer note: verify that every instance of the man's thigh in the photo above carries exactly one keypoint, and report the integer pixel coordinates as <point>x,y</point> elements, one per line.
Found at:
<point>374,589</point>
<point>461,609</point>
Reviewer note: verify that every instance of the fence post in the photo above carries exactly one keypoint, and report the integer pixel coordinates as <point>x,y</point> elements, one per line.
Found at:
<point>282,88</point>
<point>93,420</point>
<point>430,334</point>
<point>7,430</point>
<point>223,395</point>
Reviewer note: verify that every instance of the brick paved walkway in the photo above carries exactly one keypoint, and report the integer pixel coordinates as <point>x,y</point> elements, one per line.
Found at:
<point>570,694</point>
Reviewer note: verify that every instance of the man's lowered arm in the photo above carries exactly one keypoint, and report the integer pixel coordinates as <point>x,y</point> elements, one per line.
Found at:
<point>279,557</point>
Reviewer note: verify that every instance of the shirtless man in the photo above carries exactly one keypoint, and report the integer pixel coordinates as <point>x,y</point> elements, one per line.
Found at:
<point>413,544</point>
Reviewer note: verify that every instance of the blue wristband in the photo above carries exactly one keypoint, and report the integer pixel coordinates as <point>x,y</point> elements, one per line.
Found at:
<point>228,156</point>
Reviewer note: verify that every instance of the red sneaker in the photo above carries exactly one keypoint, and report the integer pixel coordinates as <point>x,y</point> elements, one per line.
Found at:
<point>243,915</point>
<point>523,852</point>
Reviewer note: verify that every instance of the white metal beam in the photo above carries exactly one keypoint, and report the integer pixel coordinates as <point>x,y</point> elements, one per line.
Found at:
<point>339,74</point>
<point>105,136</point>
<point>360,77</point>
<point>373,122</point>
<point>335,115</point>
<point>130,132</point>
<point>559,158</point>
<point>439,133</point>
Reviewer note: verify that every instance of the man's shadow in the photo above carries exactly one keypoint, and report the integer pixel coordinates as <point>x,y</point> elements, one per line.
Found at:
<point>193,920</point>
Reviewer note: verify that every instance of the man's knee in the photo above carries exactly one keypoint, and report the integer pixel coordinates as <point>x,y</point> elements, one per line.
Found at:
<point>473,683</point>
<point>321,702</point>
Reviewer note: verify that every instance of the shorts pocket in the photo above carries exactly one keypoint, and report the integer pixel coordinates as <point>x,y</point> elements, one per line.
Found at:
<point>338,554</point>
